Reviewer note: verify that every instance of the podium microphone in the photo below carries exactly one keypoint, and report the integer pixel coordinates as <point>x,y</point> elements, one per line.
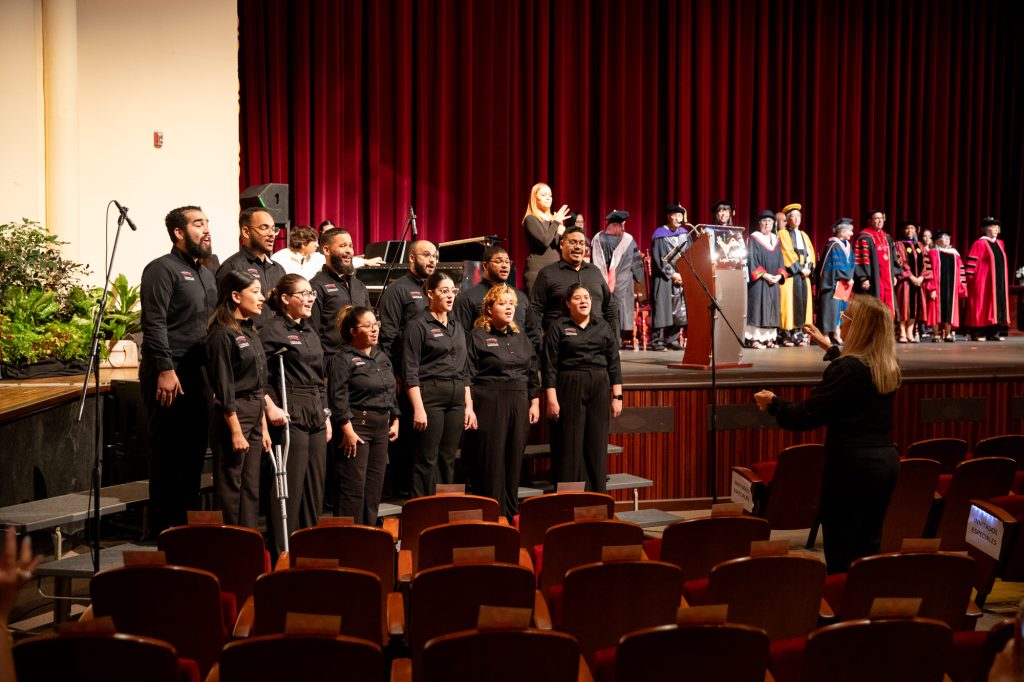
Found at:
<point>683,246</point>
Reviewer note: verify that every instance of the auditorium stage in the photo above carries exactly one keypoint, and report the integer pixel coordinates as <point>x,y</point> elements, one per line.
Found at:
<point>920,362</point>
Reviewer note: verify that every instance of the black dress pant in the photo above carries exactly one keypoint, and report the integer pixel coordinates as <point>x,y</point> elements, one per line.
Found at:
<point>178,438</point>
<point>581,431</point>
<point>360,479</point>
<point>503,414</point>
<point>857,486</point>
<point>306,467</point>
<point>236,476</point>
<point>434,449</point>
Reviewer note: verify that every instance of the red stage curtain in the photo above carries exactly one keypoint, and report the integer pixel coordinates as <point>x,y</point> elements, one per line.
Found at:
<point>457,107</point>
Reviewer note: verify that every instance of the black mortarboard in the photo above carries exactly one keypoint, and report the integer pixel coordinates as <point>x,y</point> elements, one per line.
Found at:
<point>724,202</point>
<point>841,223</point>
<point>617,216</point>
<point>985,222</point>
<point>766,213</point>
<point>674,208</point>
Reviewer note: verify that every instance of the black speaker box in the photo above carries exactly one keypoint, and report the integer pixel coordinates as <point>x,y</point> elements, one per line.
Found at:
<point>272,196</point>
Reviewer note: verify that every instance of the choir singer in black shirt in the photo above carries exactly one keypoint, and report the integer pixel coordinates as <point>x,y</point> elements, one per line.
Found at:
<point>290,335</point>
<point>547,297</point>
<point>505,386</point>
<point>237,369</point>
<point>583,383</point>
<point>365,414</point>
<point>437,383</point>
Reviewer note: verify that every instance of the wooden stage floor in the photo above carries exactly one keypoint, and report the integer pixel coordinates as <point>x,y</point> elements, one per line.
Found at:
<point>927,361</point>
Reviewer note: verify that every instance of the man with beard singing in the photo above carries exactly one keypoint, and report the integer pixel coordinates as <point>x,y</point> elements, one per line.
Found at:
<point>178,296</point>
<point>257,231</point>
<point>336,288</point>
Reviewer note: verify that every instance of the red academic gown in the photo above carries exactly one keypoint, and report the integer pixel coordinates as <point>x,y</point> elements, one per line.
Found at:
<point>875,261</point>
<point>948,281</point>
<point>988,290</point>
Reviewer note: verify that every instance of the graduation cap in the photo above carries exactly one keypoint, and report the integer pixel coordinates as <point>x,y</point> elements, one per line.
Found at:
<point>872,212</point>
<point>724,202</point>
<point>674,208</point>
<point>617,216</point>
<point>792,207</point>
<point>985,222</point>
<point>841,223</point>
<point>766,213</point>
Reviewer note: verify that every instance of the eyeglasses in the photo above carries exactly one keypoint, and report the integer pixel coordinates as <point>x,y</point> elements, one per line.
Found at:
<point>272,229</point>
<point>500,261</point>
<point>576,242</point>
<point>309,294</point>
<point>444,291</point>
<point>845,316</point>
<point>428,256</point>
<point>369,326</point>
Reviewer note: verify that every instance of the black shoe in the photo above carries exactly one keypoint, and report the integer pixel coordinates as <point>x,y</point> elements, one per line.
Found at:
<point>993,337</point>
<point>674,345</point>
<point>658,345</point>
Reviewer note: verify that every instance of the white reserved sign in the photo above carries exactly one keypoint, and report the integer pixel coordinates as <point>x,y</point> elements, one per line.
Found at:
<point>741,492</point>
<point>984,532</point>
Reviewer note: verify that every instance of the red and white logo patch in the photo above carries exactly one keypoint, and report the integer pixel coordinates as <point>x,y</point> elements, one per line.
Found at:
<point>242,341</point>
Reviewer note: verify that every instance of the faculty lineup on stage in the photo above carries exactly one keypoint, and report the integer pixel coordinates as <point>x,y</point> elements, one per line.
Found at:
<point>402,386</point>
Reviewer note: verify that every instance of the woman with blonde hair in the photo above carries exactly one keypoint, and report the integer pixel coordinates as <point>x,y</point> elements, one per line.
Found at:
<point>854,401</point>
<point>505,384</point>
<point>543,229</point>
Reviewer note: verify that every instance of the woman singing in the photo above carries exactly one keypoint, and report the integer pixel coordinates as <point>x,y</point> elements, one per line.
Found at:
<point>237,370</point>
<point>542,232</point>
<point>289,334</point>
<point>854,401</point>
<point>583,384</point>
<point>503,370</point>
<point>437,383</point>
<point>365,414</point>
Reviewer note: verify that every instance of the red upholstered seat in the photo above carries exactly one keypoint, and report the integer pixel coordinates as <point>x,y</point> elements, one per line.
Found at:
<point>973,479</point>
<point>766,470</point>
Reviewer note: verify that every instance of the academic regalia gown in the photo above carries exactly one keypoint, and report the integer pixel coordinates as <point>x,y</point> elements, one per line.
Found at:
<point>949,281</point>
<point>875,261</point>
<point>619,260</point>
<point>988,293</point>
<point>836,266</point>
<point>764,257</point>
<point>795,293</point>
<point>911,300</point>
<point>666,296</point>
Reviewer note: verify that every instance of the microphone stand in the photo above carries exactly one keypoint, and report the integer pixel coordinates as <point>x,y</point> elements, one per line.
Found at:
<point>713,308</point>
<point>394,261</point>
<point>94,365</point>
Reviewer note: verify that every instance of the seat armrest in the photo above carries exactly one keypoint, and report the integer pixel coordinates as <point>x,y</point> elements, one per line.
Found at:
<point>584,674</point>
<point>391,526</point>
<point>541,614</point>
<point>396,615</point>
<point>283,562</point>
<point>683,604</point>
<point>246,617</point>
<point>524,559</point>
<point>401,670</point>
<point>825,612</point>
<point>996,511</point>
<point>404,566</point>
<point>214,674</point>
<point>88,614</point>
<point>502,521</point>
<point>748,473</point>
<point>972,616</point>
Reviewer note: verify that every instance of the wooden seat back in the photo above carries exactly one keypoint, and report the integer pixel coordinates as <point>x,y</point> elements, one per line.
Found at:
<point>979,479</point>
<point>353,594</point>
<point>779,594</point>
<point>314,658</point>
<point>538,514</point>
<point>576,543</point>
<point>948,452</point>
<point>1007,445</point>
<point>363,547</point>
<point>794,494</point>
<point>707,653</point>
<point>421,513</point>
<point>437,544</point>
<point>500,656</point>
<point>236,555</point>
<point>879,650</point>
<point>698,545</point>
<point>118,657</point>
<point>911,503</point>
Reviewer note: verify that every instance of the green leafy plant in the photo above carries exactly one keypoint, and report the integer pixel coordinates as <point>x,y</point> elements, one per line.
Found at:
<point>32,260</point>
<point>124,314</point>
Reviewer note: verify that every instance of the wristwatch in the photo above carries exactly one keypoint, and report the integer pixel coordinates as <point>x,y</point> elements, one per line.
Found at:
<point>617,397</point>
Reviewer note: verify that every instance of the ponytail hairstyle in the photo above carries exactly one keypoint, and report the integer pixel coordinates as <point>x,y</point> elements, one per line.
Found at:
<point>232,281</point>
<point>349,318</point>
<point>493,296</point>
<point>286,285</point>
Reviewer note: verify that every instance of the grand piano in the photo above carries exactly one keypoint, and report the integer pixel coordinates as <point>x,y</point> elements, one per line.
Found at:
<point>460,259</point>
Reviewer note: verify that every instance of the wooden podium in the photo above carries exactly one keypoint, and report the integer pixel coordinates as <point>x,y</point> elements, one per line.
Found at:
<point>726,280</point>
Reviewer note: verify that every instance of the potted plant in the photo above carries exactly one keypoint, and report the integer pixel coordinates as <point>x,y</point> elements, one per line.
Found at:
<point>121,321</point>
<point>44,313</point>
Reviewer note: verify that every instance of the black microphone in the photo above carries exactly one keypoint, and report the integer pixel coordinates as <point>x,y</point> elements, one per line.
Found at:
<point>412,223</point>
<point>124,216</point>
<point>683,246</point>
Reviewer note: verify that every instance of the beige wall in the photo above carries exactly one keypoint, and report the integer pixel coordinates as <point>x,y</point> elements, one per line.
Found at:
<point>143,65</point>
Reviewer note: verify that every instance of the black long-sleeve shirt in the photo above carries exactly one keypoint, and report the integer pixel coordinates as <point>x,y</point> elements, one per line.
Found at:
<point>333,293</point>
<point>235,363</point>
<point>303,356</point>
<point>569,346</point>
<point>402,302</point>
<point>469,304</point>
<point>432,350</point>
<point>547,298</point>
<point>178,296</point>
<point>267,270</point>
<point>499,359</point>
<point>358,382</point>
<point>846,401</point>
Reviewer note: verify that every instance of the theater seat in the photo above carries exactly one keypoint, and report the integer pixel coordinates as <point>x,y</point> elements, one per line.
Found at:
<point>979,479</point>
<point>948,452</point>
<point>312,658</point>
<point>911,504</point>
<point>100,657</point>
<point>697,653</point>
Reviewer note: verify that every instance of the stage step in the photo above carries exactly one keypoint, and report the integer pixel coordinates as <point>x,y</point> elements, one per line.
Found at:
<point>648,518</point>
